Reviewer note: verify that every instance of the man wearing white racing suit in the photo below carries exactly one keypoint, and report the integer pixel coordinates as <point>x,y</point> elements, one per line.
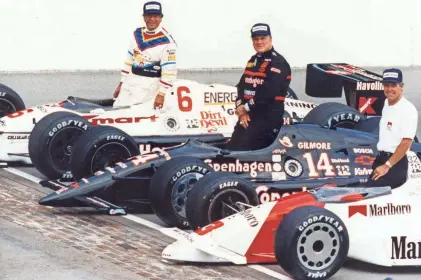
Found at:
<point>150,66</point>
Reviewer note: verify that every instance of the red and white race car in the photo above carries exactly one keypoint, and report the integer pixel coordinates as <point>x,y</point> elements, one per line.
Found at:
<point>310,234</point>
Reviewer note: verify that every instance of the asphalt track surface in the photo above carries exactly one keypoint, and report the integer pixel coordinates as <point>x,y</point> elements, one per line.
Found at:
<point>27,252</point>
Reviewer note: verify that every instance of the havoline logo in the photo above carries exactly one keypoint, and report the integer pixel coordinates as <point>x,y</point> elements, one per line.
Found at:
<point>403,249</point>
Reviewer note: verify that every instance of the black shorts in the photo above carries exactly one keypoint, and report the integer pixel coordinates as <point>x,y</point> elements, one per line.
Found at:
<point>395,177</point>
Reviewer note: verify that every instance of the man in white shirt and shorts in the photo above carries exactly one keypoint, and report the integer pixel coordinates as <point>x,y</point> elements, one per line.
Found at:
<point>398,126</point>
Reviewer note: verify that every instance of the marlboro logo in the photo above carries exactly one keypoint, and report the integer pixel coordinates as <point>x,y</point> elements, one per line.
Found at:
<point>375,210</point>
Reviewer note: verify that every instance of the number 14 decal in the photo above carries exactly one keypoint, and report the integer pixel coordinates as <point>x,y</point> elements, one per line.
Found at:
<point>324,165</point>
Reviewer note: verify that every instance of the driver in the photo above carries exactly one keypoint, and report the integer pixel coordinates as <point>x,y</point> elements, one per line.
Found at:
<point>398,126</point>
<point>261,94</point>
<point>150,65</point>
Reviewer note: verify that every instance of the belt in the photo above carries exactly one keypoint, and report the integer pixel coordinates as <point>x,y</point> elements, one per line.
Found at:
<point>383,153</point>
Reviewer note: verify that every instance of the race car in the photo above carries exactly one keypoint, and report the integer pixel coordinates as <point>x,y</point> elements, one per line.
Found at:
<point>192,110</point>
<point>309,234</point>
<point>302,155</point>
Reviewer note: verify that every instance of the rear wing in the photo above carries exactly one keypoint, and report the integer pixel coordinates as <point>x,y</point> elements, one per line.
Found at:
<point>363,89</point>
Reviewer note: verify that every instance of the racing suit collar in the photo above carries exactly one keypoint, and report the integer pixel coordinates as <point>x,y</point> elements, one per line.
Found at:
<point>267,54</point>
<point>152,32</point>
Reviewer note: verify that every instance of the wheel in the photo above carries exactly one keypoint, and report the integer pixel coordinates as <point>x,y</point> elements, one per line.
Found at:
<point>334,114</point>
<point>51,141</point>
<point>170,186</point>
<point>10,101</point>
<point>216,196</point>
<point>291,94</point>
<point>311,243</point>
<point>101,147</point>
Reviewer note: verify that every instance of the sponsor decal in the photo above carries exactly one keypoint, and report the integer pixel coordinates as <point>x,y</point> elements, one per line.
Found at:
<point>220,98</point>
<point>390,75</point>
<point>116,137</point>
<point>285,141</point>
<point>241,167</point>
<point>18,137</point>
<point>189,169</point>
<point>171,57</point>
<point>343,117</point>
<point>375,210</point>
<point>403,249</point>
<point>63,124</point>
<point>212,120</point>
<point>250,65</point>
<point>279,151</point>
<point>339,160</point>
<point>365,105</point>
<point>363,171</point>
<point>314,145</point>
<point>248,94</point>
<point>415,165</point>
<point>276,70</point>
<point>192,123</point>
<point>171,123</point>
<point>206,229</point>
<point>357,70</point>
<point>122,120</point>
<point>370,86</point>
<point>364,160</point>
<point>298,104</point>
<point>2,123</point>
<point>228,184</point>
<point>148,148</point>
<point>254,81</point>
<point>263,66</point>
<point>320,219</point>
<point>363,151</point>
<point>265,195</point>
<point>389,125</point>
<point>118,211</point>
<point>251,219</point>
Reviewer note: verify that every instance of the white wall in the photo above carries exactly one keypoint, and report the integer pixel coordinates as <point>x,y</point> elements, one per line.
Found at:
<point>93,34</point>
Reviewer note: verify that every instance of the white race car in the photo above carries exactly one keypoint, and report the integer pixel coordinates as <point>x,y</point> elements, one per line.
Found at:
<point>310,234</point>
<point>44,135</point>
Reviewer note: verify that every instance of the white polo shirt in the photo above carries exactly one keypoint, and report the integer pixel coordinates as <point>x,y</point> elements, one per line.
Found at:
<point>398,121</point>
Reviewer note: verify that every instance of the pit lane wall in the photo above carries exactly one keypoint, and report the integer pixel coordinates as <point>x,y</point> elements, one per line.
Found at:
<point>94,34</point>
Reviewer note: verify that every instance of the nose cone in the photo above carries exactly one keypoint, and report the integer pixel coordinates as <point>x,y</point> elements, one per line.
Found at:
<point>183,251</point>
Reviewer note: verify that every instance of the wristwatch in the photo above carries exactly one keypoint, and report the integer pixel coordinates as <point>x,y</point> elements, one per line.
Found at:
<point>388,164</point>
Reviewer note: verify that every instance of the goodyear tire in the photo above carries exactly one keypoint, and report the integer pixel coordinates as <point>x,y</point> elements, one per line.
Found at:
<point>10,101</point>
<point>101,147</point>
<point>51,143</point>
<point>170,187</point>
<point>215,196</point>
<point>334,114</point>
<point>311,243</point>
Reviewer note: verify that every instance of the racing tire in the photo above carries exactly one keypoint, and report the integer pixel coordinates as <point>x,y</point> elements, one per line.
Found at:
<point>170,187</point>
<point>334,114</point>
<point>51,143</point>
<point>291,94</point>
<point>311,243</point>
<point>207,202</point>
<point>10,101</point>
<point>100,147</point>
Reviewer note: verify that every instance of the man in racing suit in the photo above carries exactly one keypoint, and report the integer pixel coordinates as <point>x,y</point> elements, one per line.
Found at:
<point>150,65</point>
<point>261,94</point>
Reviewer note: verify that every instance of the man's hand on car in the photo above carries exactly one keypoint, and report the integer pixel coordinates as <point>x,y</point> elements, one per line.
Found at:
<point>159,101</point>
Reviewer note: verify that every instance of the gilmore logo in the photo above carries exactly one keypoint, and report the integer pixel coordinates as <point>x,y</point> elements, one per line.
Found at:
<point>403,249</point>
<point>376,210</point>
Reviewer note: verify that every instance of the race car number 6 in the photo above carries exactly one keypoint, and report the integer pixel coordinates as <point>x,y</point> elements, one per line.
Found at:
<point>185,104</point>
